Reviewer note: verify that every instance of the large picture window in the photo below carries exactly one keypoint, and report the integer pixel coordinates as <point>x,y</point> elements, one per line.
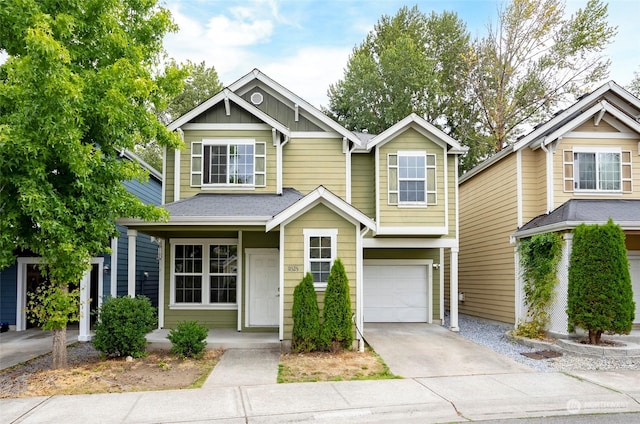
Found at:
<point>412,178</point>
<point>320,247</point>
<point>230,163</point>
<point>205,273</point>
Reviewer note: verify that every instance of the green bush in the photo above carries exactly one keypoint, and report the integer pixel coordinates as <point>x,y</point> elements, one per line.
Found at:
<point>306,316</point>
<point>600,297</point>
<point>122,325</point>
<point>188,339</point>
<point>539,258</point>
<point>337,327</point>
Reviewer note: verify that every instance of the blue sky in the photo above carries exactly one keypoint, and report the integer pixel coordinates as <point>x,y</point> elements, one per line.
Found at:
<point>305,44</point>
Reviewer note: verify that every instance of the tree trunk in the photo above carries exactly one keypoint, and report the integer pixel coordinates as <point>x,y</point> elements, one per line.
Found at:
<point>59,353</point>
<point>594,337</point>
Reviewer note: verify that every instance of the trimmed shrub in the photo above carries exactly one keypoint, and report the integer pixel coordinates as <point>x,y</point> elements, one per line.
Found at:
<point>188,339</point>
<point>122,325</point>
<point>337,326</point>
<point>539,259</point>
<point>306,316</point>
<point>600,297</point>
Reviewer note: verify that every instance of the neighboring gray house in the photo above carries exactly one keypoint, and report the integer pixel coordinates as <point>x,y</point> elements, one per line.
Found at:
<point>113,275</point>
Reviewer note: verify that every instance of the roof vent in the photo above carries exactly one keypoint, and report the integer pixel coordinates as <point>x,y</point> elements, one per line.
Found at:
<point>365,131</point>
<point>257,98</point>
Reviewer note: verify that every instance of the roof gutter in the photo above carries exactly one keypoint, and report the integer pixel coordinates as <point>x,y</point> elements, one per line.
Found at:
<point>570,225</point>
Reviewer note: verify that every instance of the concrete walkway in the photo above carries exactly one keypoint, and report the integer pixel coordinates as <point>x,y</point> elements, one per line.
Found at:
<point>437,399</point>
<point>20,346</point>
<point>245,367</point>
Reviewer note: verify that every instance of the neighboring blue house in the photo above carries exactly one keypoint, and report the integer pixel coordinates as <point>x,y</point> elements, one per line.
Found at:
<point>111,275</point>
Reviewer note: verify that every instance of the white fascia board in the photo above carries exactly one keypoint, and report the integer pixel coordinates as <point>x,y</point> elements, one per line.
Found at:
<point>408,243</point>
<point>226,127</point>
<point>422,126</point>
<point>197,220</point>
<point>412,231</point>
<point>572,124</point>
<point>570,225</point>
<point>609,86</point>
<point>227,94</point>
<point>487,163</point>
<point>132,156</point>
<point>315,134</point>
<point>324,196</point>
<point>256,74</point>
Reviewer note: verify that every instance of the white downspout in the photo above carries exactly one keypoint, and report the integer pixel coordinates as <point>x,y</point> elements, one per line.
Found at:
<point>359,321</point>
<point>549,166</point>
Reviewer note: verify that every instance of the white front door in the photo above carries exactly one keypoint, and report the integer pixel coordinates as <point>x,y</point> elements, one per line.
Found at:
<point>263,299</point>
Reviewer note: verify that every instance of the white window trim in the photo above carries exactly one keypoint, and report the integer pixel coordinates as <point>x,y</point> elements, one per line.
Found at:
<point>596,151</point>
<point>205,243</point>
<point>427,192</point>
<point>319,232</point>
<point>199,175</point>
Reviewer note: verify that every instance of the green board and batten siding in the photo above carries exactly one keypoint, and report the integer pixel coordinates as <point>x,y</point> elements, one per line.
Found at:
<point>318,217</point>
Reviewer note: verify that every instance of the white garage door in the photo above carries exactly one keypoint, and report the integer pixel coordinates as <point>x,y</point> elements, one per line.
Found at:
<point>634,262</point>
<point>395,293</point>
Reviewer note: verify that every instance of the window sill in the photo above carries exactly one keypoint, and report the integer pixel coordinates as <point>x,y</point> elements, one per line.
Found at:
<point>201,307</point>
<point>228,187</point>
<point>597,193</point>
<point>320,286</point>
<point>412,205</point>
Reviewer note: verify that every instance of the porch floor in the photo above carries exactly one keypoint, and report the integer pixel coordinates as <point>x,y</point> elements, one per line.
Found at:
<point>225,338</point>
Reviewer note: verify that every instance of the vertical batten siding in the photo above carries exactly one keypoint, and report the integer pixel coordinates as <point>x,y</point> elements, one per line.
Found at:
<point>191,136</point>
<point>318,217</point>
<point>560,196</point>
<point>309,163</point>
<point>363,183</point>
<point>488,217</point>
<point>395,216</point>
<point>8,294</point>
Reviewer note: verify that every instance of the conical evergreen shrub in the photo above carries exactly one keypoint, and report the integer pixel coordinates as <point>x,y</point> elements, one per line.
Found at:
<point>337,326</point>
<point>306,316</point>
<point>600,296</point>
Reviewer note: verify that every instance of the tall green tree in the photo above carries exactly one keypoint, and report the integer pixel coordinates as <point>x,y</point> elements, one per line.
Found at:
<point>600,296</point>
<point>76,89</point>
<point>201,84</point>
<point>534,59</point>
<point>409,62</point>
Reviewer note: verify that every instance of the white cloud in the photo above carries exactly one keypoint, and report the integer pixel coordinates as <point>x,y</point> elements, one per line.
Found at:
<point>309,73</point>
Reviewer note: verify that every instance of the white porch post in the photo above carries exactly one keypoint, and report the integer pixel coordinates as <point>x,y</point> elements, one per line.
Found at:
<point>453,290</point>
<point>113,268</point>
<point>131,266</point>
<point>161,250</point>
<point>84,334</point>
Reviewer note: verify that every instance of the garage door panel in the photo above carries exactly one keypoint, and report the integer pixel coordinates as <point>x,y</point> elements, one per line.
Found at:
<point>395,293</point>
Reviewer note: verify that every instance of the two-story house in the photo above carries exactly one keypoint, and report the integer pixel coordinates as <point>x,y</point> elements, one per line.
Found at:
<point>267,188</point>
<point>581,166</point>
<point>131,268</point>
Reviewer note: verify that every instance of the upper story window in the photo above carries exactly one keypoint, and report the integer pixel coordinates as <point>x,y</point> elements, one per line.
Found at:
<point>228,163</point>
<point>320,247</point>
<point>597,170</point>
<point>412,178</point>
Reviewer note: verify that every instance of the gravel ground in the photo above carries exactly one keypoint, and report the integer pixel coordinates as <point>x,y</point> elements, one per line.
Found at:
<point>492,335</point>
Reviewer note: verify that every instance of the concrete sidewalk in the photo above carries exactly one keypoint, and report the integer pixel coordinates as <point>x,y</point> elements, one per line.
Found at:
<point>437,399</point>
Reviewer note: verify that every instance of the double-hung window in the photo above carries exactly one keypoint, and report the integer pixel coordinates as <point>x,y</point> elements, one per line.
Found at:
<point>597,170</point>
<point>228,163</point>
<point>320,247</point>
<point>412,178</point>
<point>204,273</point>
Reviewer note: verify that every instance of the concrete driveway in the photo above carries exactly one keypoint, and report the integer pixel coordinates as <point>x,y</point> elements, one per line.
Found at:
<point>429,350</point>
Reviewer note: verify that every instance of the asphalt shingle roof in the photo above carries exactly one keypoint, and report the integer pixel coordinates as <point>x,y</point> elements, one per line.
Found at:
<point>234,204</point>
<point>588,210</point>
